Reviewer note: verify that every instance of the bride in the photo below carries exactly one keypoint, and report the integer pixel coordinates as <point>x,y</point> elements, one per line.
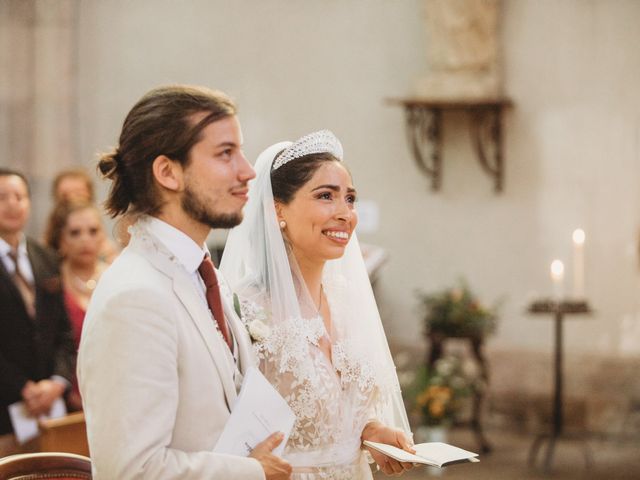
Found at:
<point>301,288</point>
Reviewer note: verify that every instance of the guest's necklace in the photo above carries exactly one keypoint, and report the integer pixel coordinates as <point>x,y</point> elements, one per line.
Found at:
<point>84,286</point>
<point>87,286</point>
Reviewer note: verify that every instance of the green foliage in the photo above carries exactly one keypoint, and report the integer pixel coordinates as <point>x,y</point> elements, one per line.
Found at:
<point>456,312</point>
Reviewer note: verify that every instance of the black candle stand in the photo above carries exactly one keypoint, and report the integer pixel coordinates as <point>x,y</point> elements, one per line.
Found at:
<point>558,310</point>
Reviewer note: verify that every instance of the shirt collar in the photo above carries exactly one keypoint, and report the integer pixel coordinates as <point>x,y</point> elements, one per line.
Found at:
<point>5,248</point>
<point>188,253</point>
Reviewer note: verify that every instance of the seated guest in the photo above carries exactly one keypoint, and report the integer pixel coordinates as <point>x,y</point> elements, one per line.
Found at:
<point>37,355</point>
<point>75,185</point>
<point>75,231</point>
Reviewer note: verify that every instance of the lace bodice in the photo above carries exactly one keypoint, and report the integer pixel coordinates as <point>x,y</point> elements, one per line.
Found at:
<point>332,398</point>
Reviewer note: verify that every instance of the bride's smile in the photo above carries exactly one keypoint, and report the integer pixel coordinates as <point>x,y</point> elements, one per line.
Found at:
<point>339,236</point>
<point>321,217</point>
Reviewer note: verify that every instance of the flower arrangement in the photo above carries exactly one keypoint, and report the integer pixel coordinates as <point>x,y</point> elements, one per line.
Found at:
<point>440,392</point>
<point>258,330</point>
<point>456,312</point>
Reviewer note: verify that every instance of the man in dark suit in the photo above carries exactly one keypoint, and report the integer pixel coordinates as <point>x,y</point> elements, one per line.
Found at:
<point>37,355</point>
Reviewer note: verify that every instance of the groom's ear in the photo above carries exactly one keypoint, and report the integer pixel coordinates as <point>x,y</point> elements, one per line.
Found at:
<point>168,173</point>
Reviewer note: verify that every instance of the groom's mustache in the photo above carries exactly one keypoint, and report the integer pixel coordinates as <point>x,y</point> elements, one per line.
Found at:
<point>240,191</point>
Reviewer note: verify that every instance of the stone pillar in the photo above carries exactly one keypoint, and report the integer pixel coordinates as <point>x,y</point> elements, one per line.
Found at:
<point>37,93</point>
<point>17,20</point>
<point>54,86</point>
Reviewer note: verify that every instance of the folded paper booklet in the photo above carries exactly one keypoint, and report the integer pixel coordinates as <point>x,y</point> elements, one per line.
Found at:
<point>25,426</point>
<point>436,454</point>
<point>258,412</point>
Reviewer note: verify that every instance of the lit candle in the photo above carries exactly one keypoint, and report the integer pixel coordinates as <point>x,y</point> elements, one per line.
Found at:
<point>557,277</point>
<point>578,264</point>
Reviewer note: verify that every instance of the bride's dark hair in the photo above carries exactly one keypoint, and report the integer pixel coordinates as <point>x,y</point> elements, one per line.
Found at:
<point>287,179</point>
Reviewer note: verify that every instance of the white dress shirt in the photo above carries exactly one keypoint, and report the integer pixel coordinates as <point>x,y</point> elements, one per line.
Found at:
<point>190,255</point>
<point>23,259</point>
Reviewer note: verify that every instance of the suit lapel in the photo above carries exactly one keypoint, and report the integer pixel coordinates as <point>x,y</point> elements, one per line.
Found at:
<point>145,243</point>
<point>37,267</point>
<point>186,292</point>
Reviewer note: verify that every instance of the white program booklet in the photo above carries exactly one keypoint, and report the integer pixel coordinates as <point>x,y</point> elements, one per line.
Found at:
<point>436,454</point>
<point>26,427</point>
<point>258,412</point>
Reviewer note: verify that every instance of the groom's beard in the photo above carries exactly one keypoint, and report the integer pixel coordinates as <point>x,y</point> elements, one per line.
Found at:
<point>198,210</point>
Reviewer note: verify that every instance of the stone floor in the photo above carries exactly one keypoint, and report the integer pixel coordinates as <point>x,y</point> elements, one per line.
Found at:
<point>612,460</point>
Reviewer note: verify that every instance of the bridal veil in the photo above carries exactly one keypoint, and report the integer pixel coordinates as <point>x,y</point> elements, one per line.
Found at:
<point>264,275</point>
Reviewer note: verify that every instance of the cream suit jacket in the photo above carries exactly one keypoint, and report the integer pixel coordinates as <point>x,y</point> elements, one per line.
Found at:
<point>155,384</point>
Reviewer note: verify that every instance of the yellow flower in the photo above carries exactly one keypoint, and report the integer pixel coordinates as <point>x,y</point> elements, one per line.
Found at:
<point>441,392</point>
<point>436,409</point>
<point>423,398</point>
<point>456,294</point>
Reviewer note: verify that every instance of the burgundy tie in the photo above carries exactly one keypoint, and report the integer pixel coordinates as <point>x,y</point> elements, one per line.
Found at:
<point>208,274</point>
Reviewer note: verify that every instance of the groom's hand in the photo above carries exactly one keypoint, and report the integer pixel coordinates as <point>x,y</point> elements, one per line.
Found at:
<point>380,433</point>
<point>274,467</point>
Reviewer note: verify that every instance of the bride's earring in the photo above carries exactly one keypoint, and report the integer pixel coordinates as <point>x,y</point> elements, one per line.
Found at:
<point>283,224</point>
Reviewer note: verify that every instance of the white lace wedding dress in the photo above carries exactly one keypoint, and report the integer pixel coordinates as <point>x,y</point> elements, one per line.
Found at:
<point>332,399</point>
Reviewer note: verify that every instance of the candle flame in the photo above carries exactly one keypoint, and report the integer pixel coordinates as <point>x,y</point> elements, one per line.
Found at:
<point>578,236</point>
<point>557,269</point>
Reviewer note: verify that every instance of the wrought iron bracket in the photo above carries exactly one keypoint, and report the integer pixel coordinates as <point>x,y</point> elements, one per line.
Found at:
<point>424,125</point>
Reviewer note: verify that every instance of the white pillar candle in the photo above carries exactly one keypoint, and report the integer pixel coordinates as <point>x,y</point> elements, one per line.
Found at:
<point>557,278</point>
<point>578,264</point>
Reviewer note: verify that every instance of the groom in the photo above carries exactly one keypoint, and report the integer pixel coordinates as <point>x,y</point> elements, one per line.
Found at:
<point>162,352</point>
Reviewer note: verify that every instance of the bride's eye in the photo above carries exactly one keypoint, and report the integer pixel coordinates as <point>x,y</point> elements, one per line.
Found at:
<point>324,196</point>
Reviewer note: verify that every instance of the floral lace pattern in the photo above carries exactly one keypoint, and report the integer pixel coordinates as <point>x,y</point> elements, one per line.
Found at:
<point>331,398</point>
<point>352,368</point>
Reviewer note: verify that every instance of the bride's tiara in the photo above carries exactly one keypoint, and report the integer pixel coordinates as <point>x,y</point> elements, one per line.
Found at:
<point>316,142</point>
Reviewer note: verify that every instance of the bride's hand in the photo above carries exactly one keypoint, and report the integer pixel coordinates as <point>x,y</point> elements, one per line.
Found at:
<point>378,432</point>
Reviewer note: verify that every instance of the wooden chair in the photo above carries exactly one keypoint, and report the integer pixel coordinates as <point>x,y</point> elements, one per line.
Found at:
<point>35,466</point>
<point>65,434</point>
